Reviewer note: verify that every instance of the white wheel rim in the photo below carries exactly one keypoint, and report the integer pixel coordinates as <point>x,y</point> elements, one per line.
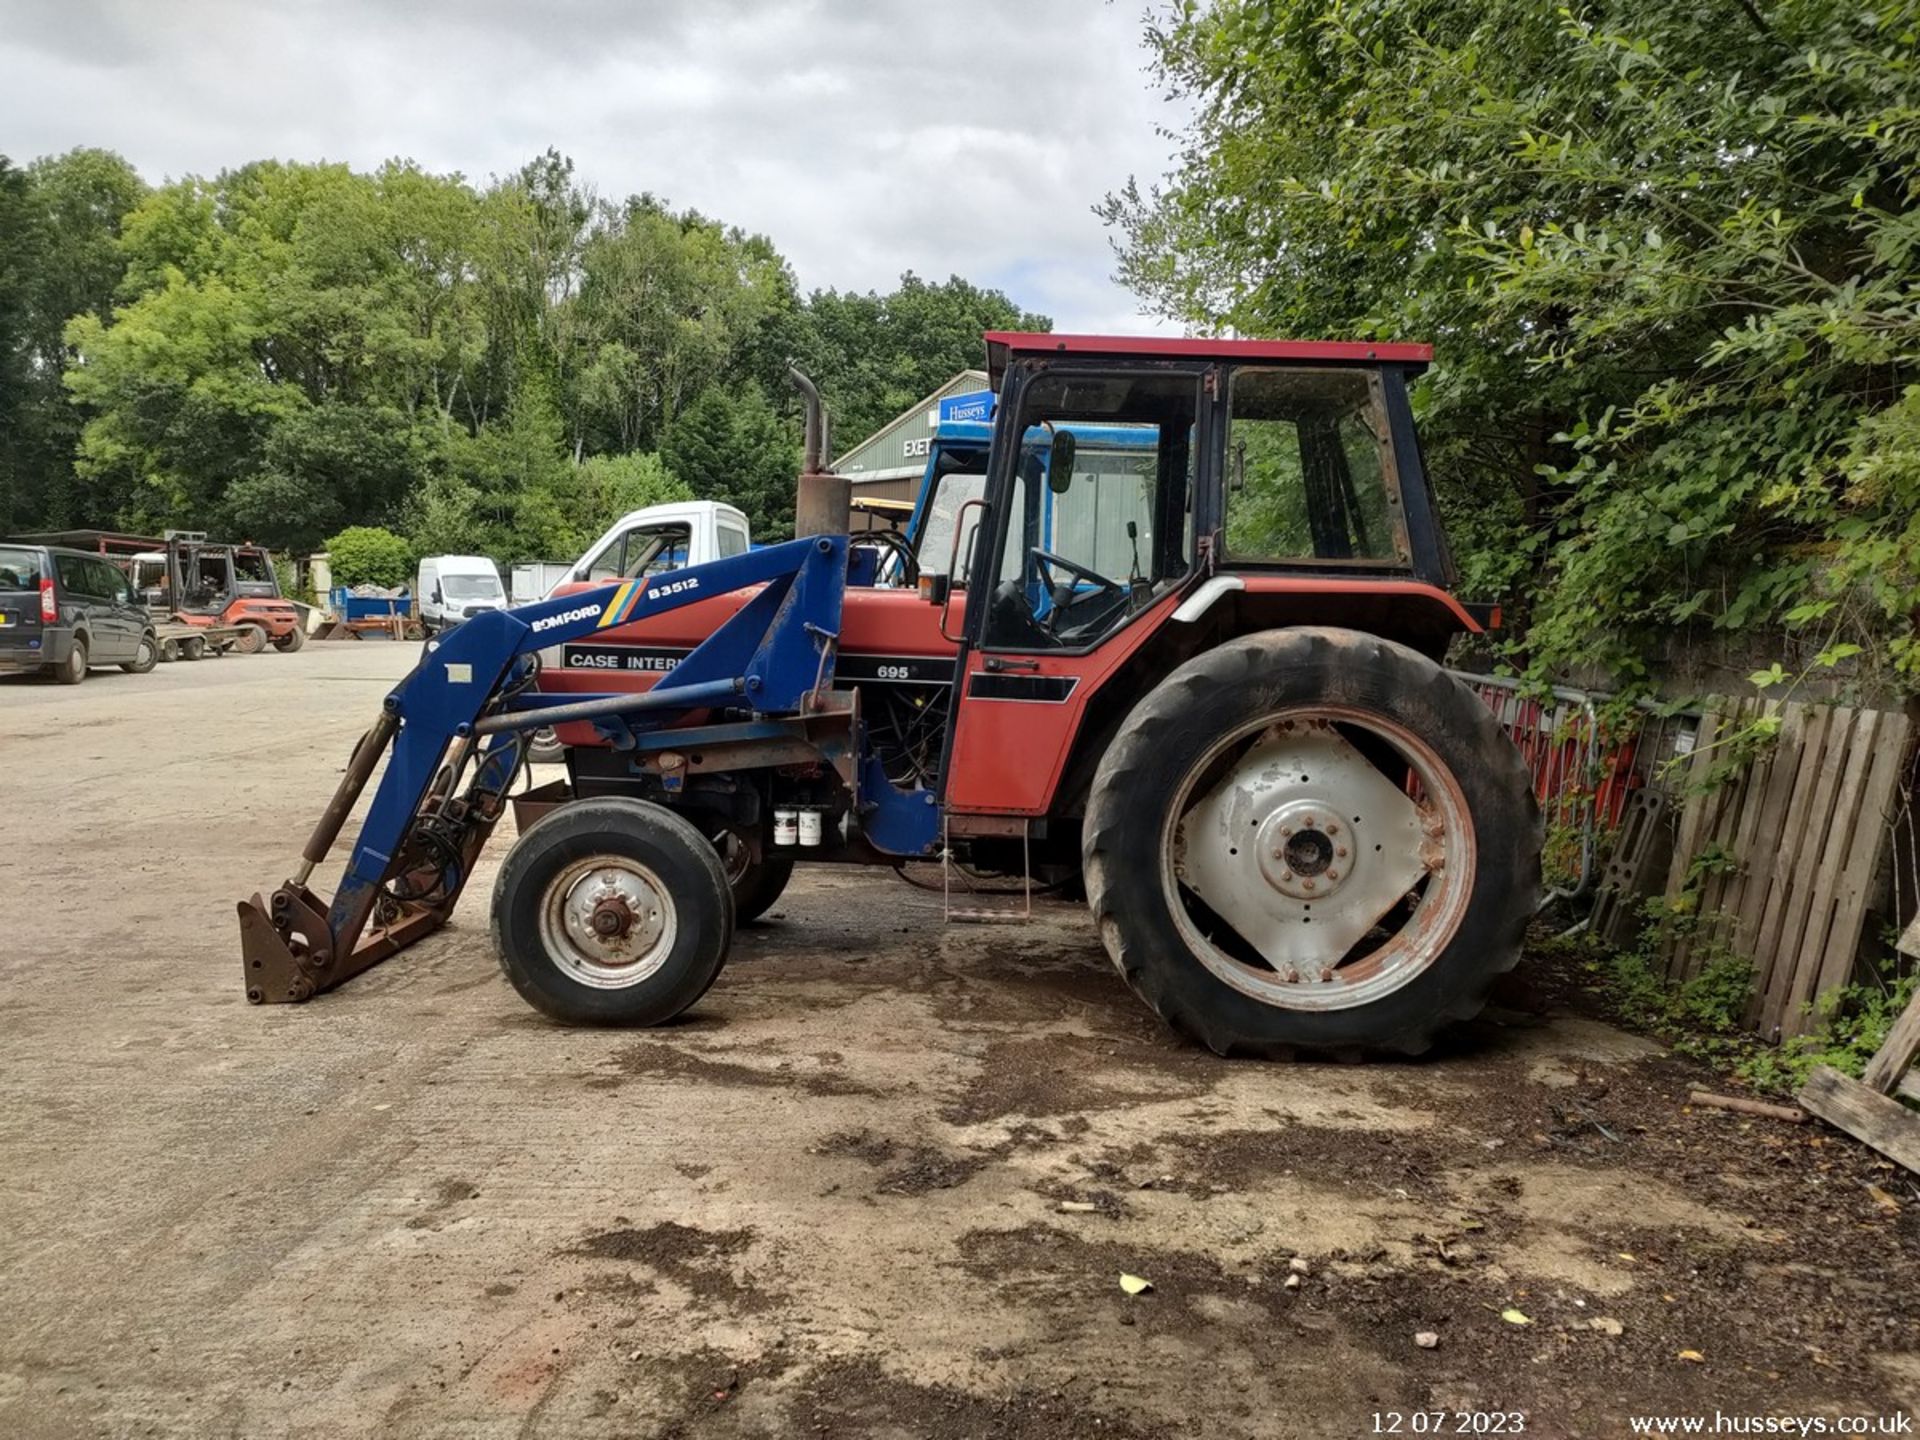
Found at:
<point>1329,885</point>
<point>607,922</point>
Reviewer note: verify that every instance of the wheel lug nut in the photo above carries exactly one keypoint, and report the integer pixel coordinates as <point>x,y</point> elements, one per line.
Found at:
<point>1340,851</point>
<point>1333,874</point>
<point>1286,830</point>
<point>1333,829</point>
<point>1306,884</point>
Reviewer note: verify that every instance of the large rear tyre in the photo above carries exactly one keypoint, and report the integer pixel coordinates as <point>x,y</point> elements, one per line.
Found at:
<point>612,911</point>
<point>756,884</point>
<point>1312,840</point>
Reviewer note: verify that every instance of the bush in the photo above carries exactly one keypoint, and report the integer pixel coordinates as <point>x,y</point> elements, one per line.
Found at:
<point>368,555</point>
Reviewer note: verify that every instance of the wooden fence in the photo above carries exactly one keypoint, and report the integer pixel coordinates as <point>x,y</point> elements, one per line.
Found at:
<point>1781,857</point>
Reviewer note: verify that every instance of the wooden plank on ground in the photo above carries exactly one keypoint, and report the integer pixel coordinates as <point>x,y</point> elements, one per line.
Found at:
<point>1763,849</point>
<point>1869,844</point>
<point>1816,728</point>
<point>1814,821</point>
<point>1847,827</point>
<point>1867,1115</point>
<point>1894,1058</point>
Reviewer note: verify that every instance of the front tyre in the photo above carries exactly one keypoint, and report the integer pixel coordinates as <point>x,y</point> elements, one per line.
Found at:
<point>1312,840</point>
<point>612,911</point>
<point>756,884</point>
<point>145,658</point>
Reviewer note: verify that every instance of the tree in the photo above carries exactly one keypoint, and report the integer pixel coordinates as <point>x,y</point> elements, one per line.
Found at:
<point>875,355</point>
<point>1665,254</point>
<point>59,257</point>
<point>730,446</point>
<point>368,555</point>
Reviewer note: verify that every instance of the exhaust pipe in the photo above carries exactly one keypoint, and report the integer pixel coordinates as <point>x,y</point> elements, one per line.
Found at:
<point>822,501</point>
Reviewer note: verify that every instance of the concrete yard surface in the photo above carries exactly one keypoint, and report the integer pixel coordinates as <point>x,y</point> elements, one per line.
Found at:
<point>882,1181</point>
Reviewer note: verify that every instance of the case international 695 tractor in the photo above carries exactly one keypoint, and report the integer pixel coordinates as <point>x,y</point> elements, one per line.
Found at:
<point>1176,629</point>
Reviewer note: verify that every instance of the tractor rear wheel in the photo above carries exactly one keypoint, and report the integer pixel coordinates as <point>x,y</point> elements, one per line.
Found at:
<point>612,911</point>
<point>1312,840</point>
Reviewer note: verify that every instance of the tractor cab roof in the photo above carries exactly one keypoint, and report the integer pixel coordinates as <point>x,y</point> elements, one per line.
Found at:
<point>1004,345</point>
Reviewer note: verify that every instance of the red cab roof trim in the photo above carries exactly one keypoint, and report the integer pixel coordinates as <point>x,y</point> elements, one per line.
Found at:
<point>1003,344</point>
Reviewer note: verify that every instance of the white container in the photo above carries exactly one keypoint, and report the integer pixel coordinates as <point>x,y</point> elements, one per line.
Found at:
<point>809,827</point>
<point>786,827</point>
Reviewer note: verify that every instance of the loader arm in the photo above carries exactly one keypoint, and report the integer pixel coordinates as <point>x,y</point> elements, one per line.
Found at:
<point>453,736</point>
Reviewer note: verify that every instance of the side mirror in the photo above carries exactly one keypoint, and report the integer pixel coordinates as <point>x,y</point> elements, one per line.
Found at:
<point>1060,462</point>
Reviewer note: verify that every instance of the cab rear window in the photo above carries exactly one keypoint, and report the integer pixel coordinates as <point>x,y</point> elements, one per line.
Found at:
<point>19,569</point>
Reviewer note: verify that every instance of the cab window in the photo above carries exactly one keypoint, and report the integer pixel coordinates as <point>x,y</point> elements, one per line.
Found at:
<point>732,541</point>
<point>1094,533</point>
<point>1309,469</point>
<point>643,550</point>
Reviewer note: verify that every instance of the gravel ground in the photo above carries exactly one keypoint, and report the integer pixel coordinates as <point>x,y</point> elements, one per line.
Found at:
<point>883,1180</point>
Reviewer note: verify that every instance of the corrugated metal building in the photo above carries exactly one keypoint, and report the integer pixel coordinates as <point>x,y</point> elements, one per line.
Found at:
<point>888,464</point>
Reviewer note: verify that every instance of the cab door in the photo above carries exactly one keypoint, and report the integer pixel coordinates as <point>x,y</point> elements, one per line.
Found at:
<point>1084,555</point>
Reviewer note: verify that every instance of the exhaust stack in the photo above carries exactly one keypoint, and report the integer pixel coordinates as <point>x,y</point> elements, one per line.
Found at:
<point>823,501</point>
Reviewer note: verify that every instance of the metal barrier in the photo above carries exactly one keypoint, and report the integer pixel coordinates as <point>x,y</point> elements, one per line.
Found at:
<point>1585,767</point>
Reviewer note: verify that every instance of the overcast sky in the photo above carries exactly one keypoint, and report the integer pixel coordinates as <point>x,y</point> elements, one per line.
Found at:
<point>865,138</point>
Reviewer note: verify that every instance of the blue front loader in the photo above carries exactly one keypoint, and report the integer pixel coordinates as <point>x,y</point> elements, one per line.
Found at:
<point>454,736</point>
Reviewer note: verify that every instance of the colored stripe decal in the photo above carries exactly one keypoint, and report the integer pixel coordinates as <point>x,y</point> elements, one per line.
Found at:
<point>612,613</point>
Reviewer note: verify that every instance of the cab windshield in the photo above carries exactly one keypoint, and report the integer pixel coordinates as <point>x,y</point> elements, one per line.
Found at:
<point>470,587</point>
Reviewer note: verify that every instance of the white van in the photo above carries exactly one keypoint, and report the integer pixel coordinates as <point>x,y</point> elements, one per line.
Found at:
<point>453,587</point>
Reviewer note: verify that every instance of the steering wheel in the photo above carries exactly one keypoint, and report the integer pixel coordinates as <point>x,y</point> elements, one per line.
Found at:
<point>893,542</point>
<point>1049,561</point>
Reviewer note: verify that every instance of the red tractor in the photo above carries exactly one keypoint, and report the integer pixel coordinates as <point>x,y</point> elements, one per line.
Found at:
<point>1174,634</point>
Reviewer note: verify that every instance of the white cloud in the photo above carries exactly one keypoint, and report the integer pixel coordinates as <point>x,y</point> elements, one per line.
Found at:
<point>865,139</point>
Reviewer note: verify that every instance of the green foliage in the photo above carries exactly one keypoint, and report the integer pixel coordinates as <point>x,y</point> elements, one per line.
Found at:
<point>730,446</point>
<point>59,257</point>
<point>875,355</point>
<point>1665,251</point>
<point>285,349</point>
<point>368,555</point>
<point>1853,1025</point>
<point>1705,1016</point>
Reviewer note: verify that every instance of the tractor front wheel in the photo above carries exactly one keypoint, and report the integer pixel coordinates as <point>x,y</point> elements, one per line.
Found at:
<point>756,884</point>
<point>612,911</point>
<point>1312,840</point>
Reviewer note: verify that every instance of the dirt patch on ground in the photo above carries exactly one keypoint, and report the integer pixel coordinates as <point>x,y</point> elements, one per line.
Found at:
<point>700,1260</point>
<point>664,1060</point>
<point>859,1397</point>
<point>909,1170</point>
<point>1068,1074</point>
